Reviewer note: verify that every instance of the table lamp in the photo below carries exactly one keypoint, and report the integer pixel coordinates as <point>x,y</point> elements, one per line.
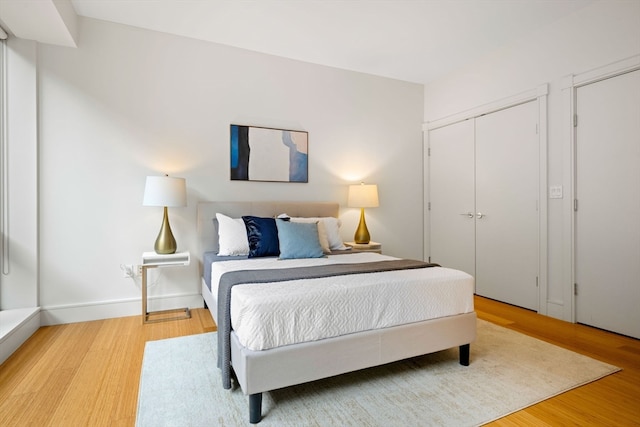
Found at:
<point>363,196</point>
<point>167,192</point>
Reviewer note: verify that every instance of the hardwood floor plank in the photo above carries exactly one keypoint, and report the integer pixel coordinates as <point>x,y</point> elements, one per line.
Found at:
<point>89,373</point>
<point>87,391</point>
<point>26,358</point>
<point>124,411</point>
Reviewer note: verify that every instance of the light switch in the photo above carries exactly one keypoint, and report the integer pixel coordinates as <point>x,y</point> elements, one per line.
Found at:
<point>555,192</point>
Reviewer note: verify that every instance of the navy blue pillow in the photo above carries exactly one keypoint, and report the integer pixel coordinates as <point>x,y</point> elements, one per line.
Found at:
<point>262,234</point>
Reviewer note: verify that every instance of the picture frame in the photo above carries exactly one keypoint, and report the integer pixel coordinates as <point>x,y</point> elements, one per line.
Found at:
<point>268,154</point>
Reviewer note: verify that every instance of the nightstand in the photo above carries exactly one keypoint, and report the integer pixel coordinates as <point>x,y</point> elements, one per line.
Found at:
<point>365,247</point>
<point>154,260</point>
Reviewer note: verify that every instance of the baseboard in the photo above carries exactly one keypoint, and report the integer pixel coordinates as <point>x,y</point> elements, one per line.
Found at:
<point>16,327</point>
<point>57,315</point>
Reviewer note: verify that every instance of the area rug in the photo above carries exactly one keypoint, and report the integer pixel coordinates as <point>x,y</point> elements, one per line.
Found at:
<point>181,386</point>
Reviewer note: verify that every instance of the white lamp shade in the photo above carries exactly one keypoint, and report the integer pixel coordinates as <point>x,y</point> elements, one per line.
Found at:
<point>165,191</point>
<point>363,196</point>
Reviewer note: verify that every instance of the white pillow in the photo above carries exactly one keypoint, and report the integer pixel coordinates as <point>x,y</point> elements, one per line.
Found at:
<point>232,236</point>
<point>328,229</point>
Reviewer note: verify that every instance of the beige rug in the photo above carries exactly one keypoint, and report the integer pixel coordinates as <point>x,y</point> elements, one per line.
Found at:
<point>180,386</point>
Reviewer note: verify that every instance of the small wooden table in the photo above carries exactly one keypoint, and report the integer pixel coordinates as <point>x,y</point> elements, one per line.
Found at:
<point>154,260</point>
<point>365,247</point>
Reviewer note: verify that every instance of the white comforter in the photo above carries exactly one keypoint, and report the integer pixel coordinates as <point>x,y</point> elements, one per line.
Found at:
<point>268,315</point>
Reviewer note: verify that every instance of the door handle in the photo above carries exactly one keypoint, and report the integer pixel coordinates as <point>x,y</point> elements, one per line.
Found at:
<point>468,214</point>
<point>481,215</point>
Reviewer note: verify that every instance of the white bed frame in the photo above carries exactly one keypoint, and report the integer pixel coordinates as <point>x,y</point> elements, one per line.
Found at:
<point>259,371</point>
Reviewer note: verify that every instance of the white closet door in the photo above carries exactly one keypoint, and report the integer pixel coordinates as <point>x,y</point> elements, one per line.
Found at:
<point>452,196</point>
<point>507,168</point>
<point>607,222</point>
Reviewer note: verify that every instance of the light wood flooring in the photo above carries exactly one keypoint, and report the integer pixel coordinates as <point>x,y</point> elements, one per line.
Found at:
<point>87,374</point>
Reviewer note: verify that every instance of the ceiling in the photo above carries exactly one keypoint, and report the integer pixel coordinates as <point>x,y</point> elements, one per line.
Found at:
<point>412,40</point>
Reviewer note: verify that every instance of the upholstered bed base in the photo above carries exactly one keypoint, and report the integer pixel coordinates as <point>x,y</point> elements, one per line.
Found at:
<point>259,371</point>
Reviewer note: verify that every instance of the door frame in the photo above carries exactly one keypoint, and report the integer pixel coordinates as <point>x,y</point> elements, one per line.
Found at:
<point>571,85</point>
<point>540,95</point>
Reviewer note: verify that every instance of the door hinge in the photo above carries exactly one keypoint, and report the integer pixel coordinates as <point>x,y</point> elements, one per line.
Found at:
<point>429,259</point>
<point>575,205</point>
<point>537,281</point>
<point>429,206</point>
<point>575,120</point>
<point>536,128</point>
<point>429,152</point>
<point>575,289</point>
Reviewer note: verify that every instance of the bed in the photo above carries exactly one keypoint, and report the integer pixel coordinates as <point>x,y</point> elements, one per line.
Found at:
<point>261,362</point>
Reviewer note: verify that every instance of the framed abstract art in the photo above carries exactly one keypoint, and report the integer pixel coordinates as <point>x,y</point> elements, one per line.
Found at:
<point>265,154</point>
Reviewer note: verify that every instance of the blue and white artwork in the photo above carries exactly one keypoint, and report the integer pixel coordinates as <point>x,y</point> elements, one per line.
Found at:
<point>264,154</point>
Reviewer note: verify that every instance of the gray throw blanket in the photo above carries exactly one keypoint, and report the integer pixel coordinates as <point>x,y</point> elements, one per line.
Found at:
<point>232,278</point>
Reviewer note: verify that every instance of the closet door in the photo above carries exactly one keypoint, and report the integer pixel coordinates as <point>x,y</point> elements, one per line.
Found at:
<point>607,221</point>
<point>452,196</point>
<point>507,180</point>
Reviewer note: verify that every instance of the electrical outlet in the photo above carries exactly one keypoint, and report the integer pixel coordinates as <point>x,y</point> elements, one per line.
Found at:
<point>139,270</point>
<point>555,192</point>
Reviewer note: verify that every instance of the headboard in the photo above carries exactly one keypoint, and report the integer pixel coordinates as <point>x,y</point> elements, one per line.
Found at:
<point>207,233</point>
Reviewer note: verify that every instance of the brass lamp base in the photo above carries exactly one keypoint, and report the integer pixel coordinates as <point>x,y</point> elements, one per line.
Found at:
<point>165,243</point>
<point>362,233</point>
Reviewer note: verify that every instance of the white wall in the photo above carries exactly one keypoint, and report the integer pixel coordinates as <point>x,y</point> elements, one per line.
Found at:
<point>128,103</point>
<point>597,35</point>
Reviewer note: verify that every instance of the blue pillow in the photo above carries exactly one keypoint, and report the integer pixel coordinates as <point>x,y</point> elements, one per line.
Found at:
<point>262,235</point>
<point>298,240</point>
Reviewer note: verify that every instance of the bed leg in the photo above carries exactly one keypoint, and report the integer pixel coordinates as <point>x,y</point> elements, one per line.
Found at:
<point>255,408</point>
<point>464,354</point>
